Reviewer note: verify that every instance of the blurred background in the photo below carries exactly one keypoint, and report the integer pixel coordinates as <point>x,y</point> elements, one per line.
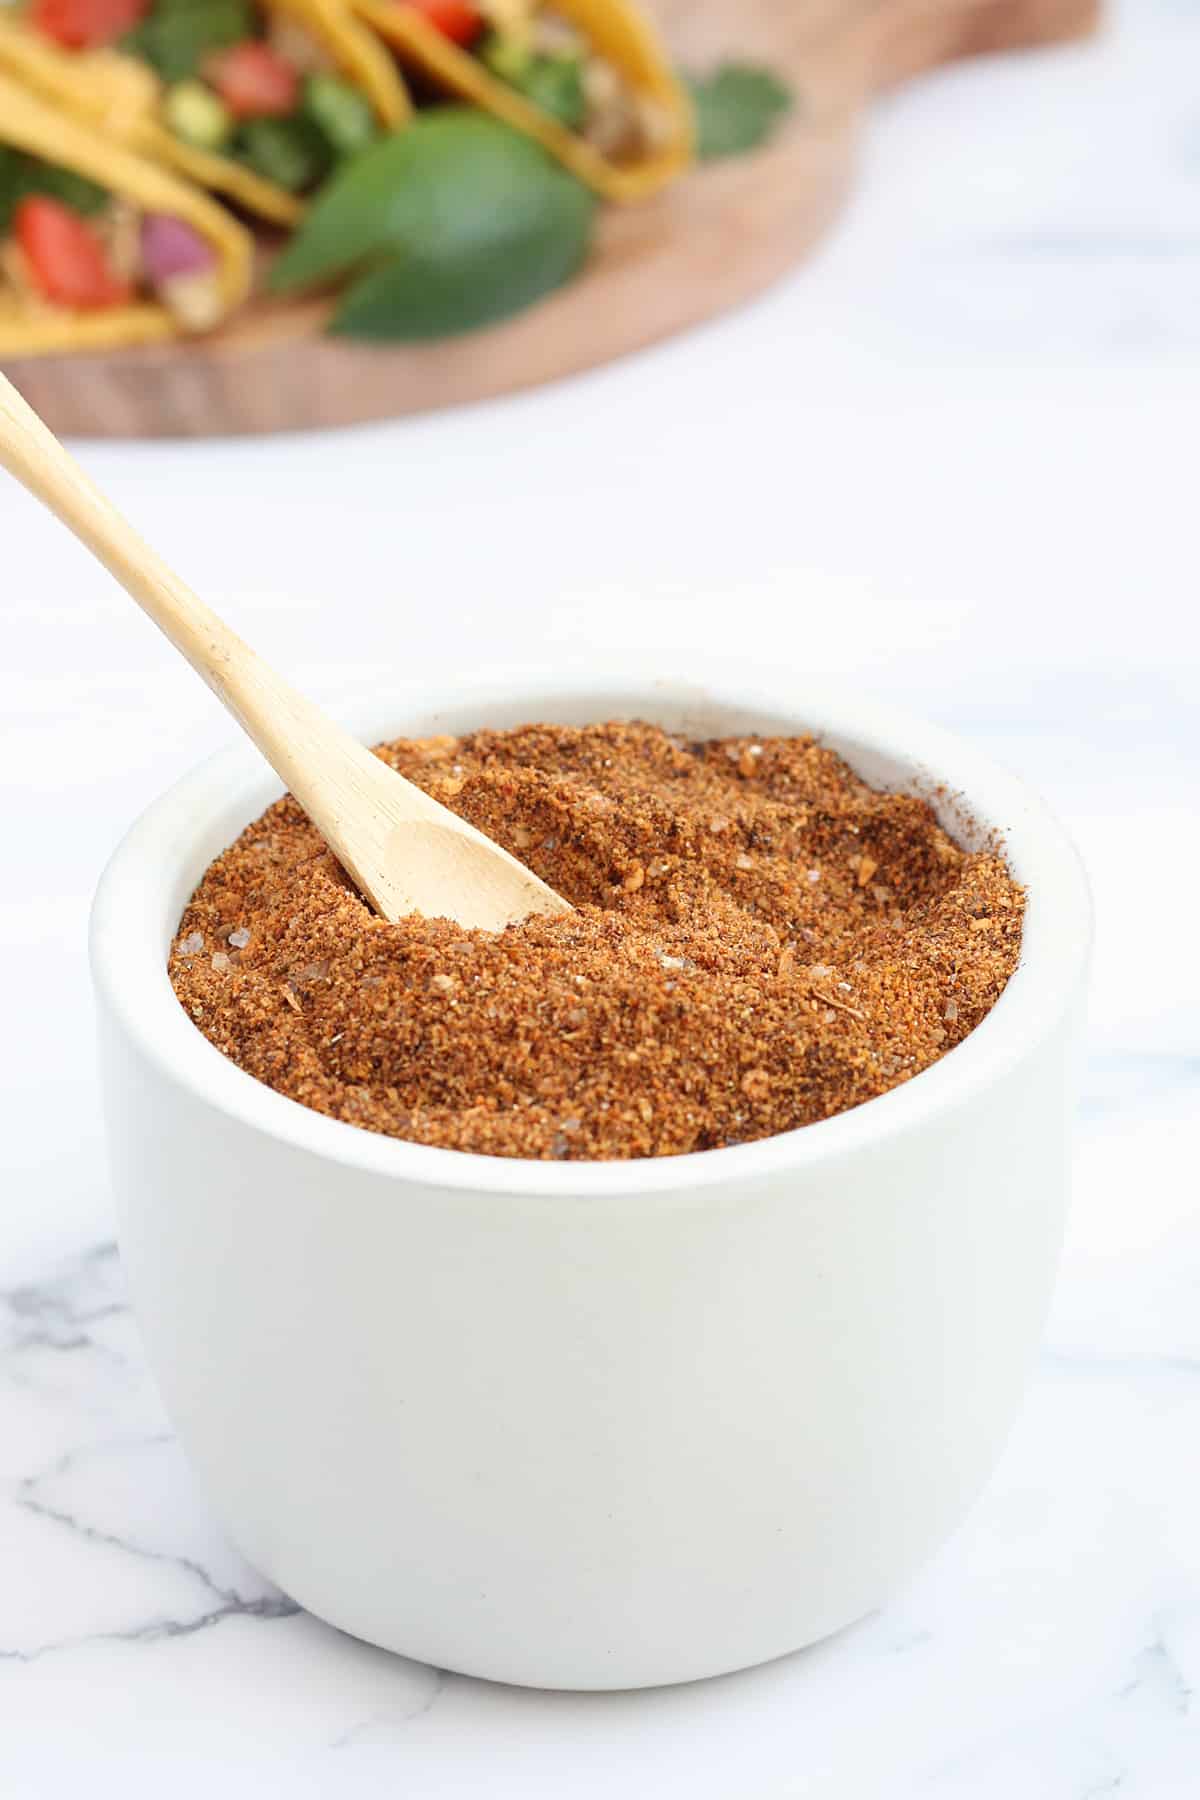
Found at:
<point>953,460</point>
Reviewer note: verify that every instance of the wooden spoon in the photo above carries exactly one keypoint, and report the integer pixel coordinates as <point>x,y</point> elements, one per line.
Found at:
<point>405,852</point>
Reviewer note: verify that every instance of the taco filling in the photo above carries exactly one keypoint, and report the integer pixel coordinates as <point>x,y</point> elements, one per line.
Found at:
<point>558,70</point>
<point>67,244</point>
<point>590,80</point>
<point>248,83</point>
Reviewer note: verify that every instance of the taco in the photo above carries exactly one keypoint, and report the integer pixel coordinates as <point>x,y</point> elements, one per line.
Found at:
<point>590,79</point>
<point>99,248</point>
<point>256,102</point>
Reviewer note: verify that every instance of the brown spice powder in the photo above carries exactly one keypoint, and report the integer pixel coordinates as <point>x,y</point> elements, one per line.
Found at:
<point>761,941</point>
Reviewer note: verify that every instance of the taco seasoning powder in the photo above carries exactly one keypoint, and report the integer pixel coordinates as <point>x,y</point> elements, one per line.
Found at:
<point>761,941</point>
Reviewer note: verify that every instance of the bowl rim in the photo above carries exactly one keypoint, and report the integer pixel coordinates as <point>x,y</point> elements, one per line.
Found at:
<point>129,965</point>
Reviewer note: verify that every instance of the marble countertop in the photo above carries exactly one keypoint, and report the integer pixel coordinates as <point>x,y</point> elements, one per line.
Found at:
<point>955,461</point>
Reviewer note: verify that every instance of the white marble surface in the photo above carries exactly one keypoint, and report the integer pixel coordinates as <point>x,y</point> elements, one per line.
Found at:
<point>955,460</point>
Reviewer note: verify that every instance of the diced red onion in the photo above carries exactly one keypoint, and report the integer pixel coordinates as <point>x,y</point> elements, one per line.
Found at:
<point>170,248</point>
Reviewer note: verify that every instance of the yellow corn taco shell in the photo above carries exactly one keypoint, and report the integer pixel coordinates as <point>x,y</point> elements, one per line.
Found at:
<point>28,123</point>
<point>122,97</point>
<point>621,34</point>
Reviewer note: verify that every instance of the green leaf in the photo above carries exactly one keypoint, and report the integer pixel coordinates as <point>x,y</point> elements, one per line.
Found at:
<point>737,108</point>
<point>451,224</point>
<point>407,299</point>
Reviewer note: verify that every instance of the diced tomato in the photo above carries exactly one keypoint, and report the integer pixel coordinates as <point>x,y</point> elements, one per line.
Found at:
<point>64,255</point>
<point>254,81</point>
<point>457,20</point>
<point>86,24</point>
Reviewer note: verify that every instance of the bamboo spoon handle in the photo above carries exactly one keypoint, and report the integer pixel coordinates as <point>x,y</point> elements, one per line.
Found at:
<point>405,851</point>
<point>33,455</point>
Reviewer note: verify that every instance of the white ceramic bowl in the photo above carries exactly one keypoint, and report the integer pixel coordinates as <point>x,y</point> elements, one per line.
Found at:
<point>593,1425</point>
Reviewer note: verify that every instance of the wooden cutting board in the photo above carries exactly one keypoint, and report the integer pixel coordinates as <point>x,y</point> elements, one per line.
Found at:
<point>719,237</point>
